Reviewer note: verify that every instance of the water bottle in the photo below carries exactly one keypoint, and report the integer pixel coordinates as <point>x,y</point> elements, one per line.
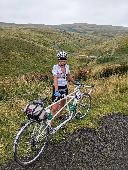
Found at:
<point>72,107</point>
<point>50,116</point>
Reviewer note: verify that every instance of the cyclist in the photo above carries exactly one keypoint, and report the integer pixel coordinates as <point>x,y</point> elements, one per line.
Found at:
<point>61,76</point>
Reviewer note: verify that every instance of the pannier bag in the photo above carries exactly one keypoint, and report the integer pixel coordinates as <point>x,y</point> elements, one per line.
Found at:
<point>35,110</point>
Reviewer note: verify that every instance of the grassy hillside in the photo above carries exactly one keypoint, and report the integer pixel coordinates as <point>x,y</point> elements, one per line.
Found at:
<point>26,58</point>
<point>28,50</point>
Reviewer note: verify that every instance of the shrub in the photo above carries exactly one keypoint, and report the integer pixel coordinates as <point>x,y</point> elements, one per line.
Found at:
<point>82,73</point>
<point>3,93</point>
<point>110,70</point>
<point>105,59</point>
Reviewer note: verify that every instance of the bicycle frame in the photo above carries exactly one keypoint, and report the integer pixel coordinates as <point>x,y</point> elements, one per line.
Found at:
<point>38,131</point>
<point>72,97</point>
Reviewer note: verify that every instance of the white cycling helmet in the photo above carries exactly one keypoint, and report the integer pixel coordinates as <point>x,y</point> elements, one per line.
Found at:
<point>62,55</point>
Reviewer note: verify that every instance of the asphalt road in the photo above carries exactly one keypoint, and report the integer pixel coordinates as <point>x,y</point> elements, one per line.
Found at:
<point>87,149</point>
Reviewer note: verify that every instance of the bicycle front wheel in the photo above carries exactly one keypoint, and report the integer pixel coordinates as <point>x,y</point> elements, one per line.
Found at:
<point>83,106</point>
<point>30,142</point>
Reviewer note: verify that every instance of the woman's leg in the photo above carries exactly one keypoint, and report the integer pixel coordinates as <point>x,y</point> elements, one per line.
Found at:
<point>54,108</point>
<point>62,103</point>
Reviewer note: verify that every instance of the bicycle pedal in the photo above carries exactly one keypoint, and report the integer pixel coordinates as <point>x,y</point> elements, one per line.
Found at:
<point>62,117</point>
<point>51,130</point>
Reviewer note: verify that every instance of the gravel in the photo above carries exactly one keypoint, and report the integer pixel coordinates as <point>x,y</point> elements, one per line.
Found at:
<point>87,149</point>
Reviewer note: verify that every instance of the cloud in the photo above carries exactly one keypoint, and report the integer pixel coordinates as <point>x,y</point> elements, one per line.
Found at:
<point>106,12</point>
<point>112,12</point>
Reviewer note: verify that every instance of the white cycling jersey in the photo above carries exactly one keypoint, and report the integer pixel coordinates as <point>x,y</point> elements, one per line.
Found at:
<point>62,77</point>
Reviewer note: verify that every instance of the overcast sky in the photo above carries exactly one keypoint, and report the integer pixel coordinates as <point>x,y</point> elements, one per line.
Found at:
<point>103,12</point>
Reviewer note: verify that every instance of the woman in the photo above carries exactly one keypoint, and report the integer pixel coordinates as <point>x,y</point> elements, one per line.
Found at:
<point>61,76</point>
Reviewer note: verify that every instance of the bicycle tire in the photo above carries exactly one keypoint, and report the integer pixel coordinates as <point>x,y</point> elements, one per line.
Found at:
<point>83,106</point>
<point>28,145</point>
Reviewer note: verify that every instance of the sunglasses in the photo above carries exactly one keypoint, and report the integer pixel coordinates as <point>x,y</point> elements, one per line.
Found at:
<point>62,60</point>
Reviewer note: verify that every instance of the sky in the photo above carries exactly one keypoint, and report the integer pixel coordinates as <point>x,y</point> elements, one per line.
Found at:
<point>56,12</point>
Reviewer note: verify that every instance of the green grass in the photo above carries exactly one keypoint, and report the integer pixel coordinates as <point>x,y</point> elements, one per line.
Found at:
<point>27,54</point>
<point>110,95</point>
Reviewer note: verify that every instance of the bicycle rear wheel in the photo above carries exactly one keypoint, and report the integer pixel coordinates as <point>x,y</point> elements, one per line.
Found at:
<point>30,142</point>
<point>83,106</point>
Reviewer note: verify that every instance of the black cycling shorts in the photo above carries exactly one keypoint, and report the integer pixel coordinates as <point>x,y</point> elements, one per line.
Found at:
<point>62,90</point>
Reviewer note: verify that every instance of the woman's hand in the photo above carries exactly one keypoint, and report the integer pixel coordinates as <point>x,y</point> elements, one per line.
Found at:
<point>57,94</point>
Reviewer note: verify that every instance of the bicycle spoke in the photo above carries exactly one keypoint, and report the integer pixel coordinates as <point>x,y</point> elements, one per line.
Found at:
<point>84,106</point>
<point>30,143</point>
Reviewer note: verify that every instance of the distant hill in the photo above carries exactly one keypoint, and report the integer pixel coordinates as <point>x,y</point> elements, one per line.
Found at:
<point>93,29</point>
<point>4,24</point>
<point>82,28</point>
<point>25,48</point>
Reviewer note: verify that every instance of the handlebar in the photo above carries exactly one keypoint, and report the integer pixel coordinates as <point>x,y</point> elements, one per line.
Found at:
<point>77,87</point>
